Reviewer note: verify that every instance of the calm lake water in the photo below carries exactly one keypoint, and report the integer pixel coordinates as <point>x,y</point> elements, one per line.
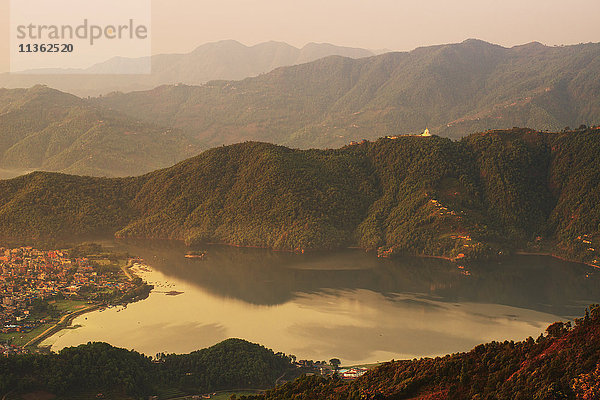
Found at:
<point>346,304</point>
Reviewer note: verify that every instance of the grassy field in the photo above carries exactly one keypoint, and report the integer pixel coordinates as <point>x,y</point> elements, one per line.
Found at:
<point>19,338</point>
<point>227,395</point>
<point>62,306</point>
<point>166,393</point>
<point>68,306</point>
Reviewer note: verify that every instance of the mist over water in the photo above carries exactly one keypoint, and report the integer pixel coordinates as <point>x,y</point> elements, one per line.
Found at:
<point>345,304</point>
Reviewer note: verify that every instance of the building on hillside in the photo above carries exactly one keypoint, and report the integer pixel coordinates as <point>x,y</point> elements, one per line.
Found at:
<point>352,373</point>
<point>425,133</point>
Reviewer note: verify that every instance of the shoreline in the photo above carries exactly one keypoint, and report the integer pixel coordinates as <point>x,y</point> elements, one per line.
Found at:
<point>66,320</point>
<point>454,260</point>
<point>555,256</point>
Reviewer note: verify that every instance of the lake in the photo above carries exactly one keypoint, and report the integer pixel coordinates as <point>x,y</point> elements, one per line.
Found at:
<point>345,304</point>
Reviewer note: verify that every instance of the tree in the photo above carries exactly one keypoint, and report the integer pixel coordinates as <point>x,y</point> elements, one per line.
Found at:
<point>556,329</point>
<point>335,362</point>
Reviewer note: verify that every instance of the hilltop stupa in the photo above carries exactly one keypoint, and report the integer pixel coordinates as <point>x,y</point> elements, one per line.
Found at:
<point>426,132</point>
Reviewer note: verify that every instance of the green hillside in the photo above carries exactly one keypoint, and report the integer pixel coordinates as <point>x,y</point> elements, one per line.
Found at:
<point>44,129</point>
<point>43,205</point>
<point>489,193</point>
<point>453,89</point>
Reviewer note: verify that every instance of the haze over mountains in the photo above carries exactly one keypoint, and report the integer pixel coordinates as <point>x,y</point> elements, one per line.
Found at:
<point>226,59</point>
<point>46,129</point>
<point>454,90</point>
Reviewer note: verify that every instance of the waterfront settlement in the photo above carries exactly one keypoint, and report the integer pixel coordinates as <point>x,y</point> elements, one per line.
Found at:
<point>40,288</point>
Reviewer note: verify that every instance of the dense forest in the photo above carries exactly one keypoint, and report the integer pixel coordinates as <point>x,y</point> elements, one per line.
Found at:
<point>562,364</point>
<point>488,194</point>
<point>99,367</point>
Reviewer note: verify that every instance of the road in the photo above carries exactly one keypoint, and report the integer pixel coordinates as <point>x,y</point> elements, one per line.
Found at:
<point>62,323</point>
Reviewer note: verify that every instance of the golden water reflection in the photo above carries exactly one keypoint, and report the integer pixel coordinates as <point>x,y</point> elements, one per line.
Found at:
<point>346,305</point>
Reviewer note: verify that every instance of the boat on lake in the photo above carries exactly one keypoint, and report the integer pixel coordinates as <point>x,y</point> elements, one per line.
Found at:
<point>195,254</point>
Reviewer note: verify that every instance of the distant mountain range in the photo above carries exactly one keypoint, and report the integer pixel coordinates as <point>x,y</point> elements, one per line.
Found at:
<point>488,193</point>
<point>45,129</point>
<point>226,59</point>
<point>452,89</point>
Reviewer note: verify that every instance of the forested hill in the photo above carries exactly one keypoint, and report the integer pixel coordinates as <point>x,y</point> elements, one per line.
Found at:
<point>84,371</point>
<point>453,89</point>
<point>491,192</point>
<point>43,128</point>
<point>562,364</point>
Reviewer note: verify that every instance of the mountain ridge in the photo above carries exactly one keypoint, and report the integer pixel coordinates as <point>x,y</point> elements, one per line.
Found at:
<point>490,193</point>
<point>226,59</point>
<point>44,128</point>
<point>453,90</point>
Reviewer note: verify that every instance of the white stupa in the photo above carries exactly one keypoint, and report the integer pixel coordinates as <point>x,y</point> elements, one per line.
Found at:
<point>426,132</point>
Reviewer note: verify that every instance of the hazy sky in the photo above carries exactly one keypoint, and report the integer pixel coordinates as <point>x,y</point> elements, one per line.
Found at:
<point>181,25</point>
